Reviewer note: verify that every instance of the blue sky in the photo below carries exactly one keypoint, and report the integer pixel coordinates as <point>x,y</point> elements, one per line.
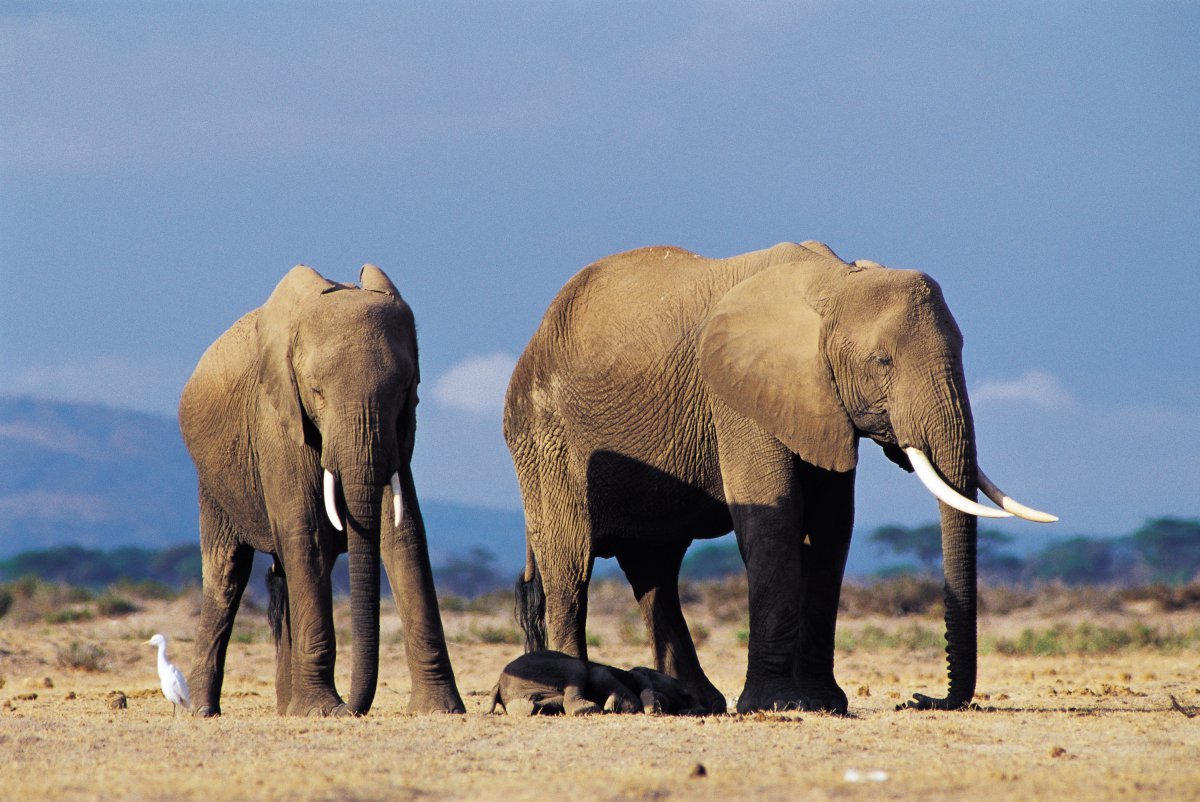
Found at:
<point>163,165</point>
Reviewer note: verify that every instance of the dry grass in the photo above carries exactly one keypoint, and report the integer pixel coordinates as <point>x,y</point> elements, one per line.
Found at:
<point>1094,701</point>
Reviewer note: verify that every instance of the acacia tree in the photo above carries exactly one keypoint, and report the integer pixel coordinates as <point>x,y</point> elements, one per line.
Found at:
<point>1170,548</point>
<point>924,544</point>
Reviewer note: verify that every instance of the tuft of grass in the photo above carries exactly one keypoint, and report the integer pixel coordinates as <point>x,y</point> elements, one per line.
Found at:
<point>1064,639</point>
<point>81,656</point>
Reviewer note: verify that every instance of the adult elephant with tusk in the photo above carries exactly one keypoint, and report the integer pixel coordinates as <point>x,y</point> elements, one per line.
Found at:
<point>300,419</point>
<point>667,397</point>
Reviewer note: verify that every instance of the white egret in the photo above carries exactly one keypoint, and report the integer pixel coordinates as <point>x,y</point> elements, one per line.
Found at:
<point>174,685</point>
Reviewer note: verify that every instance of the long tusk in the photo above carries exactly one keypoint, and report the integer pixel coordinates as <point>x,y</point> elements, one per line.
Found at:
<point>397,498</point>
<point>331,500</point>
<point>1015,507</point>
<point>945,493</point>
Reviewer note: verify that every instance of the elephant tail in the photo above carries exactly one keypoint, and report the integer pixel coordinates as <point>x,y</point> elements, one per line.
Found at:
<point>277,599</point>
<point>530,606</point>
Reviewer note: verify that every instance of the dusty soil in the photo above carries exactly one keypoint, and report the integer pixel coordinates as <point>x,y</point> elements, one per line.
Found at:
<point>1111,725</point>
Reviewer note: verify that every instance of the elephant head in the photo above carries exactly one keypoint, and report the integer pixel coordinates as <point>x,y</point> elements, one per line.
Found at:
<point>821,353</point>
<point>339,369</point>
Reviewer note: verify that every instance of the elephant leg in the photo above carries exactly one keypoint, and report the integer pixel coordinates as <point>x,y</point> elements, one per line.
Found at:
<point>308,561</point>
<point>603,685</point>
<point>226,565</point>
<point>405,555</point>
<point>653,571</point>
<point>828,522</point>
<point>566,558</point>
<point>760,489</point>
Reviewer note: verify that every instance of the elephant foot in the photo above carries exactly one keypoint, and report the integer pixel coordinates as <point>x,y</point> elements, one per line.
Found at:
<point>318,707</point>
<point>709,700</point>
<point>437,699</point>
<point>587,709</point>
<point>815,696</point>
<point>922,702</point>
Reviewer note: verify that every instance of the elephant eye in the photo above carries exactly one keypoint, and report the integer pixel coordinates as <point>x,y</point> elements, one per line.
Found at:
<point>883,359</point>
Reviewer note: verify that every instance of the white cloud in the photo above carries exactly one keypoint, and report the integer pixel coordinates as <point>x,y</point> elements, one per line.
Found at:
<point>1035,387</point>
<point>477,384</point>
<point>145,383</point>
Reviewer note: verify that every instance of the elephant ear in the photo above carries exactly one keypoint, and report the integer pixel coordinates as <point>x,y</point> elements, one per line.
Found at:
<point>373,279</point>
<point>761,353</point>
<point>276,328</point>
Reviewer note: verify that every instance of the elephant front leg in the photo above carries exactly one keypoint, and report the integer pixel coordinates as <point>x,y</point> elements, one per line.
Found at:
<point>761,491</point>
<point>828,522</point>
<point>653,571</point>
<point>226,568</point>
<point>310,630</point>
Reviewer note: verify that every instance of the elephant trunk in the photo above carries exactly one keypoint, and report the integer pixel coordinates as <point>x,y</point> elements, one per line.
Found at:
<point>952,450</point>
<point>944,432</point>
<point>363,504</point>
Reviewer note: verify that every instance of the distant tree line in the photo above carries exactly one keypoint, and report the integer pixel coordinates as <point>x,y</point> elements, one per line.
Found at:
<point>1164,550</point>
<point>470,574</point>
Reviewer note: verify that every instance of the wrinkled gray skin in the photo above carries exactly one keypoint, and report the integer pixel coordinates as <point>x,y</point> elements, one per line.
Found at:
<point>668,397</point>
<point>550,683</point>
<point>321,377</point>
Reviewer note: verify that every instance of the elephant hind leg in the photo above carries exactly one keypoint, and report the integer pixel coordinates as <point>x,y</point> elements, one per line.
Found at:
<point>565,558</point>
<point>226,565</point>
<point>653,571</point>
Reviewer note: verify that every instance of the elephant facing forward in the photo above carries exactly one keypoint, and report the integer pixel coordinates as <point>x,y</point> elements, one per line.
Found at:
<point>667,397</point>
<point>300,419</point>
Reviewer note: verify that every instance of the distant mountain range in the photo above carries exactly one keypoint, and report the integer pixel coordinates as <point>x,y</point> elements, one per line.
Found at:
<point>101,477</point>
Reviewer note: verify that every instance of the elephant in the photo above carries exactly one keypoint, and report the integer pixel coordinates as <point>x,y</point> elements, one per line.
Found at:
<point>300,420</point>
<point>667,397</point>
<point>548,682</point>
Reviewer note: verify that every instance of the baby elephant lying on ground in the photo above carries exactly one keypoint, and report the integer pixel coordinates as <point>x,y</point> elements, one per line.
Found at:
<point>547,683</point>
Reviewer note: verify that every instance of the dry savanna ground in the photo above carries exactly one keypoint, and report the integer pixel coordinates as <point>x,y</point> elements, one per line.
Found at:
<point>1082,694</point>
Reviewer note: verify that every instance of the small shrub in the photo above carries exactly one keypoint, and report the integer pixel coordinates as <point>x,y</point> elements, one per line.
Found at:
<point>490,634</point>
<point>6,600</point>
<point>700,634</point>
<point>591,638</point>
<point>1092,639</point>
<point>110,605</point>
<point>81,657</point>
<point>903,595</point>
<point>454,604</point>
<point>68,616</point>
<point>147,590</point>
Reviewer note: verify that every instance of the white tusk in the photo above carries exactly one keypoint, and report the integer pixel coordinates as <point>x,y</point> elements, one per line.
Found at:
<point>945,493</point>
<point>397,498</point>
<point>331,500</point>
<point>1015,507</point>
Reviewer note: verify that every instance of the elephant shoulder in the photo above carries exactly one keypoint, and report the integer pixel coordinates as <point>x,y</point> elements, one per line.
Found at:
<point>229,362</point>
